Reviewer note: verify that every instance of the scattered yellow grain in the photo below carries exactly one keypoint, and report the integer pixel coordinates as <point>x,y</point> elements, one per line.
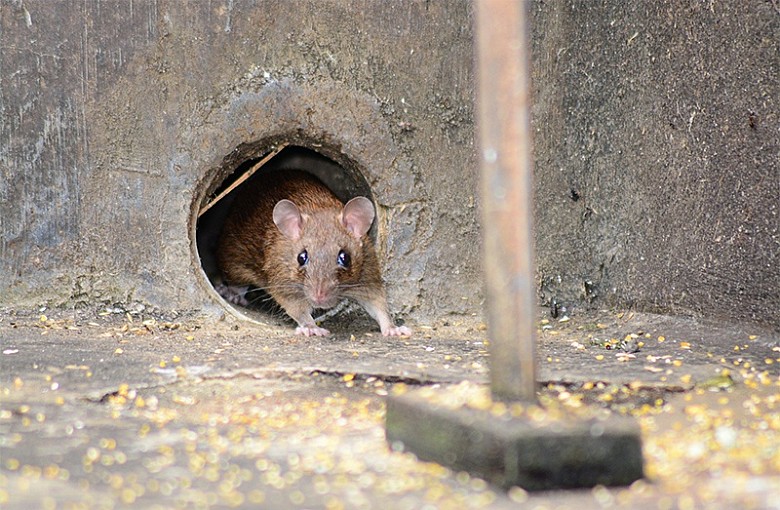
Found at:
<point>518,495</point>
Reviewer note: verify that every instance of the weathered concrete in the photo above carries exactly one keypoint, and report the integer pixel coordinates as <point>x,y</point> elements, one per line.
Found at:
<point>657,149</point>
<point>658,155</point>
<point>119,118</point>
<point>121,409</point>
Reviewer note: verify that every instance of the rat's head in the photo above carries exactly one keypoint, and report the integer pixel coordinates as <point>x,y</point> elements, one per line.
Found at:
<point>325,252</point>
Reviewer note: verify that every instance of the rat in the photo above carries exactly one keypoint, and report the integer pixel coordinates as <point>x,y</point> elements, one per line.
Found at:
<point>289,235</point>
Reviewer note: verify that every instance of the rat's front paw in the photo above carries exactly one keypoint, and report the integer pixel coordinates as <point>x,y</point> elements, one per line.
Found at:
<point>397,331</point>
<point>312,330</point>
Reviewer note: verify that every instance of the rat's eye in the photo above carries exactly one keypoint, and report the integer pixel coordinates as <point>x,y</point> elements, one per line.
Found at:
<point>344,259</point>
<point>303,258</point>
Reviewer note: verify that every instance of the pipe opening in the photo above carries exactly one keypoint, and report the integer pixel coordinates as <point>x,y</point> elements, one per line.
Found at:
<point>238,173</point>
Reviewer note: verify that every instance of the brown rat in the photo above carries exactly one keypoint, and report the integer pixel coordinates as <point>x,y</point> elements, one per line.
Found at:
<point>289,235</point>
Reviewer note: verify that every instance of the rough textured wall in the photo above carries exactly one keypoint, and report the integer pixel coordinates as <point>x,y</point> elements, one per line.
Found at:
<point>115,116</point>
<point>657,144</point>
<point>658,154</point>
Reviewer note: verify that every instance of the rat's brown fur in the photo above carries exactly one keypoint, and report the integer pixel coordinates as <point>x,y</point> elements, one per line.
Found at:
<point>253,250</point>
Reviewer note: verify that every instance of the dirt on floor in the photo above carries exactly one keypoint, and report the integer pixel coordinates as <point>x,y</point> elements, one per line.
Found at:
<point>113,408</point>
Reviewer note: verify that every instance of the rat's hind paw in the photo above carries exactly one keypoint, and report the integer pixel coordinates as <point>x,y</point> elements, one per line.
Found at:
<point>233,293</point>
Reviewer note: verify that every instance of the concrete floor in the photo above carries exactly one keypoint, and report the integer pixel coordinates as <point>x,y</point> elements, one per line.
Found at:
<point>115,408</point>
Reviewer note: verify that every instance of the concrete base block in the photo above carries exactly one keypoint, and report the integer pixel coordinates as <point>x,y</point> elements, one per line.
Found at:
<point>509,451</point>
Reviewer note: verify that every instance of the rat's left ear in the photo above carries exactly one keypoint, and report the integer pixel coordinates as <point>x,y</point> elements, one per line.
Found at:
<point>357,216</point>
<point>288,219</point>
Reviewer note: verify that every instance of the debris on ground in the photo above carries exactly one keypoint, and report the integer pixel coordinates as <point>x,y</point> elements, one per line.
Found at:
<point>116,409</point>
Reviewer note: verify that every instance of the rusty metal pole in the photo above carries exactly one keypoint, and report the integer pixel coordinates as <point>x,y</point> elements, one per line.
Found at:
<point>504,123</point>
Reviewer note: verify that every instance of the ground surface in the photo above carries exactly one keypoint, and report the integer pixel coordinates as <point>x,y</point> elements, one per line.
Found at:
<point>112,409</point>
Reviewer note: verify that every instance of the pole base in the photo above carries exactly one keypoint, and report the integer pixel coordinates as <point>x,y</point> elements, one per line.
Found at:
<point>515,451</point>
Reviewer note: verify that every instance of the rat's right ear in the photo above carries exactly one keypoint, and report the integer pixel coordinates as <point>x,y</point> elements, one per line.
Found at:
<point>358,215</point>
<point>288,219</point>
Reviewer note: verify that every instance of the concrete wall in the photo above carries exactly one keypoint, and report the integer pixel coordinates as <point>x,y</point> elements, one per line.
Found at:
<point>658,155</point>
<point>118,116</point>
<point>657,144</point>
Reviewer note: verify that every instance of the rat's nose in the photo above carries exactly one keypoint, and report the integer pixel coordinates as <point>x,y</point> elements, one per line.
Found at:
<point>322,296</point>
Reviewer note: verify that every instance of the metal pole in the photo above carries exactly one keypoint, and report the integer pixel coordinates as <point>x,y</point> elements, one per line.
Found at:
<point>503,101</point>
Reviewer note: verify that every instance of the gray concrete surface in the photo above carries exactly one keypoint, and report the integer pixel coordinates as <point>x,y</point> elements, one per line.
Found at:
<point>112,409</point>
<point>656,156</point>
<point>120,119</point>
<point>656,145</point>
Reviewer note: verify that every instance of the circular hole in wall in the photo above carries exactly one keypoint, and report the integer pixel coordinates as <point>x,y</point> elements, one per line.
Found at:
<point>246,164</point>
